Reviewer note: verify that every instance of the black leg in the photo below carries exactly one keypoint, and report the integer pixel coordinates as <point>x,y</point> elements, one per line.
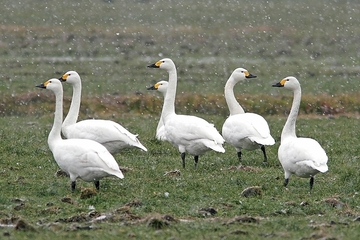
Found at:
<point>286,182</point>
<point>73,185</point>
<point>239,155</point>
<point>311,183</point>
<point>263,150</point>
<point>183,159</point>
<point>97,185</point>
<point>196,159</point>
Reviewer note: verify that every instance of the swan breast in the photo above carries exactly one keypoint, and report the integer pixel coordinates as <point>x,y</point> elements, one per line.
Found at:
<point>302,156</point>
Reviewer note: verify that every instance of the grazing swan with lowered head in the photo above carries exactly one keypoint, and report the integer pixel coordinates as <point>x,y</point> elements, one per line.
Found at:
<point>109,133</point>
<point>303,157</point>
<point>160,130</point>
<point>244,130</point>
<point>81,158</point>
<point>189,134</point>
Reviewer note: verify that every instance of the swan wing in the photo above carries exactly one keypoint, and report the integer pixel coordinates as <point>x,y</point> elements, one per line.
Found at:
<point>102,131</point>
<point>182,129</point>
<point>247,125</point>
<point>303,151</point>
<point>77,155</point>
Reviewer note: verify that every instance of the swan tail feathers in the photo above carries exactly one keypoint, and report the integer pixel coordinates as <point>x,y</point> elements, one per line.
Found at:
<point>119,174</point>
<point>322,168</point>
<point>263,141</point>
<point>215,147</point>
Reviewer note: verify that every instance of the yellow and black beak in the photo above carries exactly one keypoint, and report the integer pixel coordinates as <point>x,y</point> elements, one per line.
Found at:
<point>43,85</point>
<point>63,78</point>
<point>280,84</point>
<point>151,88</point>
<point>154,87</point>
<point>155,65</point>
<point>249,75</point>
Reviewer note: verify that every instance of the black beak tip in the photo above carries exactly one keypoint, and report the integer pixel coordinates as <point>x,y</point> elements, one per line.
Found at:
<point>152,66</point>
<point>277,85</point>
<point>251,76</point>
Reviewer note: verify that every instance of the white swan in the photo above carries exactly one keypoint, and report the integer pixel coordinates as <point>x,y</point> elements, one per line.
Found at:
<point>110,134</point>
<point>162,87</point>
<point>82,158</point>
<point>244,130</point>
<point>189,134</point>
<point>303,157</point>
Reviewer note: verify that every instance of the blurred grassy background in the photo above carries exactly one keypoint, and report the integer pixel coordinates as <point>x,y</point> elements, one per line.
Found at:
<point>110,43</point>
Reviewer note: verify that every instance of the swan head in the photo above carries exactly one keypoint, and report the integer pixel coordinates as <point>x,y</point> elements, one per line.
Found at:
<point>165,63</point>
<point>53,84</point>
<point>288,82</point>
<point>159,86</point>
<point>71,77</point>
<point>240,74</point>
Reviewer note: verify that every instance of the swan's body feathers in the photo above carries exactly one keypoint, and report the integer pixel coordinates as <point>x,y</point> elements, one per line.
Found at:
<point>85,159</point>
<point>110,134</point>
<point>247,131</point>
<point>193,135</point>
<point>160,132</point>
<point>303,157</point>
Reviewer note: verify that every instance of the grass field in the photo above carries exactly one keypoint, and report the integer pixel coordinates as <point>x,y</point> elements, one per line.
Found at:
<point>110,43</point>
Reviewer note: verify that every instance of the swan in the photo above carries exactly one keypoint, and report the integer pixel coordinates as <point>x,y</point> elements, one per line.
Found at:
<point>189,134</point>
<point>81,158</point>
<point>162,87</point>
<point>109,133</point>
<point>303,157</point>
<point>244,130</point>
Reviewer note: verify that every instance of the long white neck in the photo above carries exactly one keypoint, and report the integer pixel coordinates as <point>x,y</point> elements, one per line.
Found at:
<point>289,128</point>
<point>233,105</point>
<point>74,109</point>
<point>169,99</point>
<point>54,134</point>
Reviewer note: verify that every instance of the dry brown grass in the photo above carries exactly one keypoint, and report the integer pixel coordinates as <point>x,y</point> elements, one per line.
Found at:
<point>38,103</point>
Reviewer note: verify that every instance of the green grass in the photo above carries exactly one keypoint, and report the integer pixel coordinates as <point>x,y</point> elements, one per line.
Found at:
<point>110,43</point>
<point>28,174</point>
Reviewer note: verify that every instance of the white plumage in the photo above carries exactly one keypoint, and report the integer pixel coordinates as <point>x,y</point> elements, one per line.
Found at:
<point>303,157</point>
<point>82,158</point>
<point>244,130</point>
<point>162,87</point>
<point>189,134</point>
<point>110,134</point>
